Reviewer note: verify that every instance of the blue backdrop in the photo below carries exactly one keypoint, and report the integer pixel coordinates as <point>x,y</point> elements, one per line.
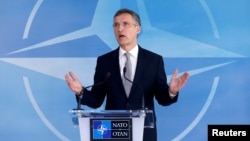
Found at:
<point>41,40</point>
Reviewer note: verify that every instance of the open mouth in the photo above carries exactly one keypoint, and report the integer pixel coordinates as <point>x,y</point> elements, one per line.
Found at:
<point>122,36</point>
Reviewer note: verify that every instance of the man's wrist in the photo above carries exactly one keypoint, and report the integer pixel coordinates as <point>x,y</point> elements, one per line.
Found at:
<point>172,95</point>
<point>80,93</point>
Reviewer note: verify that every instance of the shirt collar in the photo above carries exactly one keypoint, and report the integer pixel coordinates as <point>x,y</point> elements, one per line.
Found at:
<point>133,51</point>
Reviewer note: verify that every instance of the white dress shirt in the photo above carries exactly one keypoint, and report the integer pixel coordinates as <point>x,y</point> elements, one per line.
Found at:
<point>133,59</point>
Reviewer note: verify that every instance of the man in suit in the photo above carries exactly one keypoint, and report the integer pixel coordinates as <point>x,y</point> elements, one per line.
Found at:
<point>147,75</point>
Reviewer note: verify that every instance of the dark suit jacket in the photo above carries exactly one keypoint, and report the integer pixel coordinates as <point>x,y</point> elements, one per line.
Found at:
<point>150,81</point>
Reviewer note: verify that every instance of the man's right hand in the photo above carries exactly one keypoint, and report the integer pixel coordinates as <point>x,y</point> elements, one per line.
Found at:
<point>73,83</point>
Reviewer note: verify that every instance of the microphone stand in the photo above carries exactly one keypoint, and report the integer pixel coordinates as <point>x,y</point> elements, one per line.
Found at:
<point>143,101</point>
<point>81,93</point>
<point>149,117</point>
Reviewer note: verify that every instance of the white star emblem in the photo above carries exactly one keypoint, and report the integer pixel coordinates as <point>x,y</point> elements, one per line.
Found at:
<point>102,129</point>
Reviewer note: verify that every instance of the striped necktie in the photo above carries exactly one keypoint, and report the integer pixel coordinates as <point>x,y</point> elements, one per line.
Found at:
<point>127,79</point>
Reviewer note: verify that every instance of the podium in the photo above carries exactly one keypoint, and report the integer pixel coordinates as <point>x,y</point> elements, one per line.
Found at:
<point>112,125</point>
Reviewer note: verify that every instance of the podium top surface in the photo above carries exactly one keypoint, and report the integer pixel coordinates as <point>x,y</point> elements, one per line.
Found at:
<point>111,113</point>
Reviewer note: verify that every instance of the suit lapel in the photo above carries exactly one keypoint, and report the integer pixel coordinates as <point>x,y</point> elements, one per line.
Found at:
<point>116,70</point>
<point>139,70</point>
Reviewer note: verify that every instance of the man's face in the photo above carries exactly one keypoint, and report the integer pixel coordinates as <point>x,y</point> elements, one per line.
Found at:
<point>126,30</point>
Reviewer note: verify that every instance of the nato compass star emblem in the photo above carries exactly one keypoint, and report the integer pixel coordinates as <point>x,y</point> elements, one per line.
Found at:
<point>102,129</point>
<point>100,30</point>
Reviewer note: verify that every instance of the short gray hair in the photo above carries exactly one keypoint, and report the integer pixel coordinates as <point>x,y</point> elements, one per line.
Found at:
<point>134,15</point>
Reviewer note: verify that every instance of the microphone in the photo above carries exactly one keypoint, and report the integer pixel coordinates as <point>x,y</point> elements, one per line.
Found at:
<point>142,93</point>
<point>94,85</point>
